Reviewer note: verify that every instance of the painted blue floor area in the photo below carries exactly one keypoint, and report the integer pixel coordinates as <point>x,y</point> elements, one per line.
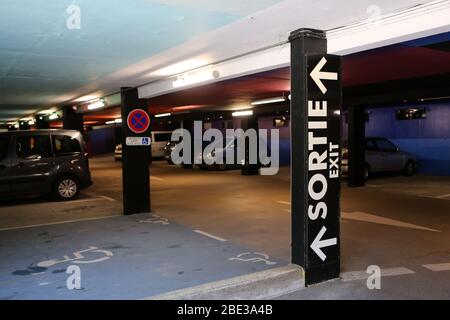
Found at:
<point>120,258</point>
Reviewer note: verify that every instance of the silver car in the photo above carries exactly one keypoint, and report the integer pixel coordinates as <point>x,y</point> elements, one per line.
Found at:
<point>382,155</point>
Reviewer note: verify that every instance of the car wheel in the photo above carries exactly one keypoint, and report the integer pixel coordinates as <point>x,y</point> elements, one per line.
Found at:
<point>66,188</point>
<point>366,172</point>
<point>410,168</point>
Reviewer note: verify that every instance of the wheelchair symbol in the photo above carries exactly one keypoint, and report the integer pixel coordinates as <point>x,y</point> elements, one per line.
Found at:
<point>78,258</point>
<point>155,219</point>
<point>253,257</point>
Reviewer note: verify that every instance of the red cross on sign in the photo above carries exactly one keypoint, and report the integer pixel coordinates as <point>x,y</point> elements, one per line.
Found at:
<point>138,121</point>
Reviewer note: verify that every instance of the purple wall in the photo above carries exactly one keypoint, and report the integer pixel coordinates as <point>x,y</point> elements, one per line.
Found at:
<point>428,139</point>
<point>101,141</point>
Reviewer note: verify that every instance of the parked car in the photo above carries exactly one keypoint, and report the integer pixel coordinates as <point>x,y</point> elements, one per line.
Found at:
<point>381,155</point>
<point>43,162</point>
<point>228,146</point>
<point>159,141</point>
<point>168,148</point>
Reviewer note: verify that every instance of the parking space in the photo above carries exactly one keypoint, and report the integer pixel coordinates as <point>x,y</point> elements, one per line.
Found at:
<point>34,211</point>
<point>118,258</point>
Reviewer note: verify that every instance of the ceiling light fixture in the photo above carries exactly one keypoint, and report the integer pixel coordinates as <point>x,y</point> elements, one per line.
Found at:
<point>195,77</point>
<point>242,113</point>
<point>161,115</point>
<point>46,111</point>
<point>96,105</point>
<point>269,100</point>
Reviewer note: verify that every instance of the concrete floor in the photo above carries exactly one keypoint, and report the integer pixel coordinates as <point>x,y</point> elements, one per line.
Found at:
<point>401,224</point>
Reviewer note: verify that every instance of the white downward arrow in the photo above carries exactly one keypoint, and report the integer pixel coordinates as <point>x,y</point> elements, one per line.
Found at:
<point>318,244</point>
<point>318,75</point>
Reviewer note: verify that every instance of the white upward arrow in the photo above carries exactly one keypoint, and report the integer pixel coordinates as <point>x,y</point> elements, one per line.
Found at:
<point>318,243</point>
<point>318,75</point>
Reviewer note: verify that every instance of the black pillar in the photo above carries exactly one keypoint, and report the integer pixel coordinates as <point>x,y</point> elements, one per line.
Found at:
<point>316,95</point>
<point>41,123</point>
<point>356,145</point>
<point>24,125</point>
<point>249,169</point>
<point>71,119</point>
<point>135,160</point>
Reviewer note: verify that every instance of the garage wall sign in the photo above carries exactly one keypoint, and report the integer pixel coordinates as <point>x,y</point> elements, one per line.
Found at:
<point>138,121</point>
<point>323,163</point>
<point>138,141</point>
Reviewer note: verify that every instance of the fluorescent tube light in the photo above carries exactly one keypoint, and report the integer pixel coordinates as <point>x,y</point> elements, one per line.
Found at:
<point>242,113</point>
<point>96,105</point>
<point>195,77</point>
<point>162,115</point>
<point>269,100</point>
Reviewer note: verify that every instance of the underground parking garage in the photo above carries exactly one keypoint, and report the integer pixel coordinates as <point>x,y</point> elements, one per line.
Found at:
<point>243,221</point>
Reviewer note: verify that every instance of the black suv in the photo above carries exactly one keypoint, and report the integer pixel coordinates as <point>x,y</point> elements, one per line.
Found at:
<point>43,161</point>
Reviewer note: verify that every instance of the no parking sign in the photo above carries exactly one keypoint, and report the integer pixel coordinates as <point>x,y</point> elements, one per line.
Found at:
<point>138,121</point>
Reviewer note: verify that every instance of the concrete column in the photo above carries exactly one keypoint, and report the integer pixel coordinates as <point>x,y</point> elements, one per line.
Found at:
<point>41,123</point>
<point>316,99</point>
<point>250,169</point>
<point>24,125</point>
<point>71,119</point>
<point>135,160</point>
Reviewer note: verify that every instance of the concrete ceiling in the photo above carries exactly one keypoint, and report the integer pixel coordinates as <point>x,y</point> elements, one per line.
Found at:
<point>131,42</point>
<point>42,62</point>
<point>408,61</point>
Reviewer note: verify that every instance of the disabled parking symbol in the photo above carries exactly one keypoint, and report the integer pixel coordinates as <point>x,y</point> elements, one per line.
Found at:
<point>253,257</point>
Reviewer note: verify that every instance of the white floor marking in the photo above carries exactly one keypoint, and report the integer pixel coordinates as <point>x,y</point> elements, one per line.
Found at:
<point>367,217</point>
<point>253,257</point>
<point>84,200</point>
<point>78,258</point>
<point>156,178</point>
<point>60,222</point>
<point>438,267</point>
<point>284,202</point>
<point>210,235</point>
<point>361,275</point>
<point>108,198</point>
